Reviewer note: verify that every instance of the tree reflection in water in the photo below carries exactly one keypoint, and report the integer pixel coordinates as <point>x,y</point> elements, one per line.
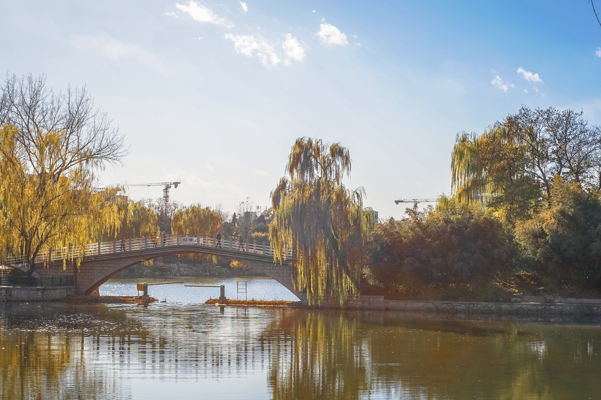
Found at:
<point>317,356</point>
<point>40,358</point>
<point>386,355</point>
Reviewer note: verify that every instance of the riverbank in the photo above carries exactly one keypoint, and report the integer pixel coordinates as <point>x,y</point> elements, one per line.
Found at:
<point>110,300</point>
<point>254,303</point>
<point>34,293</point>
<point>578,307</point>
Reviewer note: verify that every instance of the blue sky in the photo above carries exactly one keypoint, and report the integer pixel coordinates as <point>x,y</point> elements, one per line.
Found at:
<point>214,93</point>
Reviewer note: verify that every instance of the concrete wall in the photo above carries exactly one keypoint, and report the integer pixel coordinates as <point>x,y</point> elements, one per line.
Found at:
<point>22,294</point>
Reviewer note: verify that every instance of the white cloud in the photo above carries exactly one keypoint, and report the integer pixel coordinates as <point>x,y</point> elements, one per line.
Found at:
<point>329,34</point>
<point>202,14</point>
<point>314,11</point>
<point>260,172</point>
<point>535,88</point>
<point>209,166</point>
<point>500,84</point>
<point>525,91</point>
<point>293,49</point>
<point>251,46</point>
<point>598,52</point>
<point>198,38</point>
<point>244,7</point>
<point>171,14</point>
<point>108,47</point>
<point>529,76</point>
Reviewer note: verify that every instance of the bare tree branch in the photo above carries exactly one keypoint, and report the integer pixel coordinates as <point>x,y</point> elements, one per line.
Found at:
<point>595,11</point>
<point>87,133</point>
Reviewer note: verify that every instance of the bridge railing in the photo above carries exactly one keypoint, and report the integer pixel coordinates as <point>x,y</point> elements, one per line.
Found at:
<point>147,242</point>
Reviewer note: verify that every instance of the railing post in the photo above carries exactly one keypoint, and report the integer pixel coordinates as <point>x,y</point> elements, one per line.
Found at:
<point>98,248</point>
<point>214,241</point>
<point>145,242</point>
<point>114,246</point>
<point>198,239</point>
<point>177,239</point>
<point>129,244</point>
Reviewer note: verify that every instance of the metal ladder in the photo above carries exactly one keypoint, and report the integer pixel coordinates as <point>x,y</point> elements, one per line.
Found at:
<point>242,288</point>
<point>3,275</point>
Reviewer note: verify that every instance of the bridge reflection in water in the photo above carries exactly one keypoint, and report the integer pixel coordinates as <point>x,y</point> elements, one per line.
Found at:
<point>167,351</point>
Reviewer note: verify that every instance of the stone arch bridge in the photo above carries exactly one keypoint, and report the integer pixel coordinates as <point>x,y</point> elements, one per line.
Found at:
<point>102,261</point>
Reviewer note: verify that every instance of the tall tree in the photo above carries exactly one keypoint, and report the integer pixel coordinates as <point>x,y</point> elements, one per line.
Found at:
<point>511,162</point>
<point>165,210</point>
<point>136,219</point>
<point>37,211</point>
<point>321,221</point>
<point>51,145</point>
<point>196,219</point>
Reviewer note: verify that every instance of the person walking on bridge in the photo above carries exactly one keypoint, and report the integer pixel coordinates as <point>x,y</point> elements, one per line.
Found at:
<point>218,237</point>
<point>241,245</point>
<point>122,248</point>
<point>154,239</point>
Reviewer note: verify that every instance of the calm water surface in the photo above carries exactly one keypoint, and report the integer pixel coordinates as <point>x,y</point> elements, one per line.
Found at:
<point>183,349</point>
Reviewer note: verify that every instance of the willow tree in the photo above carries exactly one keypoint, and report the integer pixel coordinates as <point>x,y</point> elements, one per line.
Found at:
<point>196,219</point>
<point>135,218</point>
<point>322,222</point>
<point>200,220</point>
<point>51,146</point>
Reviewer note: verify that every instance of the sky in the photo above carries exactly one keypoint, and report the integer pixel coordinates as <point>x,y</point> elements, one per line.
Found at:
<point>214,93</point>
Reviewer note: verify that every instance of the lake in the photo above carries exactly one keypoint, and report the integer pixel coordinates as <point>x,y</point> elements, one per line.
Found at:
<point>183,349</point>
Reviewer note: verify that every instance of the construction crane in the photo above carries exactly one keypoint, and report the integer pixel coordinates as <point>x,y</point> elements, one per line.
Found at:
<point>165,189</point>
<point>415,202</point>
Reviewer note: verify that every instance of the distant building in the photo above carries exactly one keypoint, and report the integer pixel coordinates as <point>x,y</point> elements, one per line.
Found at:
<point>250,215</point>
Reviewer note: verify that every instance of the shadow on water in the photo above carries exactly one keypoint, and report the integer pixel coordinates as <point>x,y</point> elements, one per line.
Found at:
<point>53,351</point>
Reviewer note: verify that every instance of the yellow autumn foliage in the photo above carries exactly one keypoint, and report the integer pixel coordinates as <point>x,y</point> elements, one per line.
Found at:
<point>46,203</point>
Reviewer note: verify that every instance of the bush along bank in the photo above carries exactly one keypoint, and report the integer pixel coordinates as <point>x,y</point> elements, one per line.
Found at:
<point>524,218</point>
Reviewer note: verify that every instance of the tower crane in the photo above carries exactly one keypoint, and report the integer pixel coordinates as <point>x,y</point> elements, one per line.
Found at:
<point>165,189</point>
<point>415,202</point>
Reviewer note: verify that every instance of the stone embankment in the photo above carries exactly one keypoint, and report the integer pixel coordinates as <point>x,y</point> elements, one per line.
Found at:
<point>20,293</point>
<point>185,270</point>
<point>584,307</point>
